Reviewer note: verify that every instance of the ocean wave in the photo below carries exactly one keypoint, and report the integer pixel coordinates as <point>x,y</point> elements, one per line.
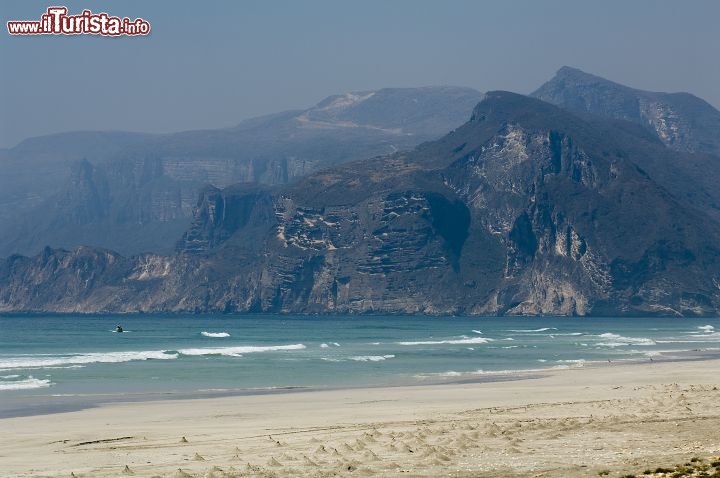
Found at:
<point>692,339</point>
<point>215,335</point>
<point>463,341</point>
<point>616,340</point>
<point>239,350</point>
<point>543,329</point>
<point>371,358</point>
<point>42,361</point>
<point>483,373</point>
<point>707,328</point>
<point>27,384</point>
<point>448,374</point>
<point>477,332</point>
<point>575,362</point>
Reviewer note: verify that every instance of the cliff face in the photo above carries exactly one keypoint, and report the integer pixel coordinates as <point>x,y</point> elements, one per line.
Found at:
<point>142,189</point>
<point>526,209</point>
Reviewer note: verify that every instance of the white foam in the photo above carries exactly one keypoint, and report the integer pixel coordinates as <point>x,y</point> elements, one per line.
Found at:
<point>707,328</point>
<point>574,363</point>
<point>372,358</point>
<point>41,361</point>
<point>616,340</point>
<point>695,338</point>
<point>215,334</point>
<point>450,373</point>
<point>464,341</point>
<point>324,346</point>
<point>543,329</point>
<point>239,350</point>
<point>477,332</point>
<point>27,384</point>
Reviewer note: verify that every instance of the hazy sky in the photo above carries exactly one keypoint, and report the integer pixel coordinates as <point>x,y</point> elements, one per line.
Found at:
<point>211,64</point>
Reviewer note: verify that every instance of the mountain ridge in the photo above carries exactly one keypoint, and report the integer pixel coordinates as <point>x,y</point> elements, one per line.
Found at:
<point>526,209</point>
<point>151,181</point>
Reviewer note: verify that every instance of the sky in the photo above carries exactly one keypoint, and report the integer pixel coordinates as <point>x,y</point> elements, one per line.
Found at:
<point>214,63</point>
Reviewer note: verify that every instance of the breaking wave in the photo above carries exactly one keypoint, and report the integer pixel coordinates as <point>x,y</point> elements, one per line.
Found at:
<point>463,341</point>
<point>42,361</point>
<point>27,384</point>
<point>236,351</point>
<point>372,358</point>
<point>75,360</point>
<point>215,334</point>
<point>615,340</point>
<point>544,329</point>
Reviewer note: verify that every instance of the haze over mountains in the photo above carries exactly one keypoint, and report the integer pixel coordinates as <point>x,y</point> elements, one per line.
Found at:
<point>135,192</point>
<point>603,204</point>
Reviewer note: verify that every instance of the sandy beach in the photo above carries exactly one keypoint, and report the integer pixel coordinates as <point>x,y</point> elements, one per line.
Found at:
<point>605,420</point>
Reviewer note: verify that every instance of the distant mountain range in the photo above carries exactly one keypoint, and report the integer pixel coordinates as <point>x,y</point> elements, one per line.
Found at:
<point>683,122</point>
<point>135,192</point>
<point>528,208</point>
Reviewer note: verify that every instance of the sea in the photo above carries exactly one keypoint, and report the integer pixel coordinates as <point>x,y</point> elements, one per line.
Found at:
<point>57,363</point>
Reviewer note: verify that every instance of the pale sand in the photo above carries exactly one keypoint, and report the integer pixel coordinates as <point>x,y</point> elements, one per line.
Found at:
<point>569,423</point>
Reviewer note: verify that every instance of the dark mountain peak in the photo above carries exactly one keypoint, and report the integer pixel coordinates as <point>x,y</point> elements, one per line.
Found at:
<point>503,105</point>
<point>681,121</point>
<point>570,76</point>
<point>576,74</point>
<point>569,70</point>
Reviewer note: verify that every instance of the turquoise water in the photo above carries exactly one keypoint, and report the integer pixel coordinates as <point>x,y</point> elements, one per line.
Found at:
<point>50,363</point>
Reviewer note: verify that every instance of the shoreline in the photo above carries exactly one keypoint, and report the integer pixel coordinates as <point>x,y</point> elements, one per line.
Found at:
<point>49,404</point>
<point>566,423</point>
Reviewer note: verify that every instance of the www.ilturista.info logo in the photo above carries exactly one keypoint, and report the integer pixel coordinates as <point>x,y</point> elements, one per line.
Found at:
<point>57,22</point>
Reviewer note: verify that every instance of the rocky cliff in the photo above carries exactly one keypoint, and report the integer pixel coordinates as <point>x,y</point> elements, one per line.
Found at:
<point>525,209</point>
<point>141,189</point>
